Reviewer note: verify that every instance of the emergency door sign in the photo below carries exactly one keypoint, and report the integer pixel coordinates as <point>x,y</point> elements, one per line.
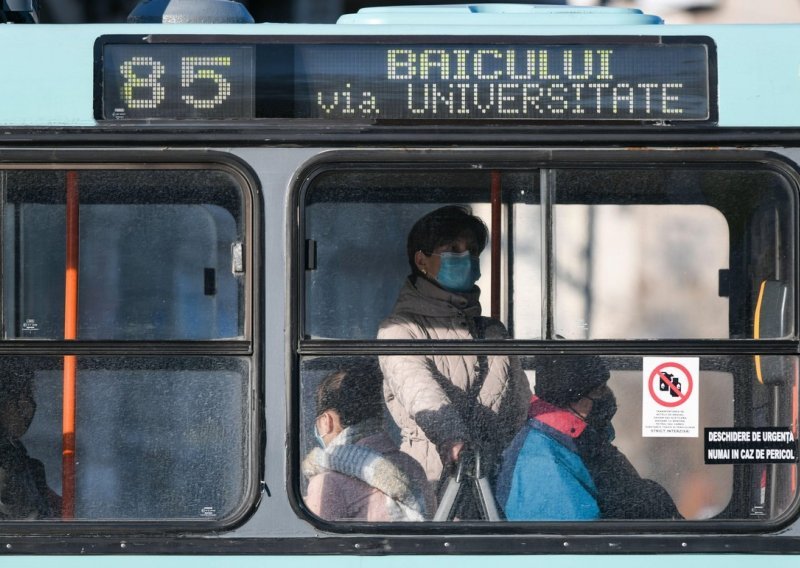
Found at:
<point>670,396</point>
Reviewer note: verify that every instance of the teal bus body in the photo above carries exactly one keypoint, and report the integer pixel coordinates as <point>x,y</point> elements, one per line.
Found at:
<point>272,190</point>
<point>759,66</point>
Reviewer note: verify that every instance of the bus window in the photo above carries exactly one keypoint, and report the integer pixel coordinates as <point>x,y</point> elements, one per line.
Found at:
<point>358,225</point>
<point>155,250</point>
<point>699,488</point>
<point>700,491</point>
<point>671,253</point>
<point>630,254</point>
<point>149,441</point>
<point>622,295</point>
<point>125,256</point>
<point>645,254</point>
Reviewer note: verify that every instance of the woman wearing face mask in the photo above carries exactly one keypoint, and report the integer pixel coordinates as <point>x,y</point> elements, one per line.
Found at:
<point>443,402</point>
<point>562,464</point>
<point>357,472</point>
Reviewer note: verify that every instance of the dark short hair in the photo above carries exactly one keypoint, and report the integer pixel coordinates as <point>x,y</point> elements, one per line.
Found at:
<point>355,393</point>
<point>562,380</point>
<point>442,227</point>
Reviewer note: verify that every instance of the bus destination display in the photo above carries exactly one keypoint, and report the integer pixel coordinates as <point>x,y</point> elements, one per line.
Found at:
<point>577,82</point>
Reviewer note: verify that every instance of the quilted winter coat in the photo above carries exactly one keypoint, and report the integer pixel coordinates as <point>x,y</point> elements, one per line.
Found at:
<point>436,399</point>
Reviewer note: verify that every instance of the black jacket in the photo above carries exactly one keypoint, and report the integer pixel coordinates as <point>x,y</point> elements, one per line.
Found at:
<point>24,493</point>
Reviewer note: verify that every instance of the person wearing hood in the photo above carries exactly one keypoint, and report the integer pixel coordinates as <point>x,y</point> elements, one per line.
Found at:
<point>357,473</point>
<point>443,402</point>
<point>562,464</point>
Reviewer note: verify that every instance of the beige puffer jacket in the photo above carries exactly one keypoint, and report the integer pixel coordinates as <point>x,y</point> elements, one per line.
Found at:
<point>429,395</point>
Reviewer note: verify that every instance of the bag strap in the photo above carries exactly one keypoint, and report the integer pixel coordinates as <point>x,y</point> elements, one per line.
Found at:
<point>483,361</point>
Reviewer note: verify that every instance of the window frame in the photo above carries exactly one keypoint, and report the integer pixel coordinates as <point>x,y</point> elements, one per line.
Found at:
<point>246,348</point>
<point>540,159</point>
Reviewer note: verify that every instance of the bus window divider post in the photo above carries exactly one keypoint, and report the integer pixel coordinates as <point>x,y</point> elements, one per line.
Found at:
<point>497,212</point>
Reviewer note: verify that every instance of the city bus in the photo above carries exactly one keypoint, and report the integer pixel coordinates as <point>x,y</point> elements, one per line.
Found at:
<point>206,218</point>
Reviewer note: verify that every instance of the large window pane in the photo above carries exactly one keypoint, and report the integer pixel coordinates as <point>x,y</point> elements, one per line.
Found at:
<point>640,271</point>
<point>725,389</point>
<point>670,253</point>
<point>639,253</point>
<point>356,230</point>
<point>156,254</point>
<point>157,438</point>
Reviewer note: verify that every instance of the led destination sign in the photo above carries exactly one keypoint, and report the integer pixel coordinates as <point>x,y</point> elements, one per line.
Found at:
<point>576,82</point>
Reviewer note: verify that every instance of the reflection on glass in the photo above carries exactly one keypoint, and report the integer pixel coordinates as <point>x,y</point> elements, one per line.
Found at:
<point>527,269</point>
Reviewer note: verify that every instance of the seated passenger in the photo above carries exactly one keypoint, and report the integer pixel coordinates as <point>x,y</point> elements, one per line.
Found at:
<point>24,493</point>
<point>443,402</point>
<point>359,473</point>
<point>562,465</point>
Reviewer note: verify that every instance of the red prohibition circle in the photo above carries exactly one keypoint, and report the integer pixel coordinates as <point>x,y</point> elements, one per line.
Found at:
<point>656,373</point>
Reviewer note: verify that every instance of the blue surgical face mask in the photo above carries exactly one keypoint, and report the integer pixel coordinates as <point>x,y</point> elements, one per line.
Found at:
<point>458,271</point>
<point>318,436</point>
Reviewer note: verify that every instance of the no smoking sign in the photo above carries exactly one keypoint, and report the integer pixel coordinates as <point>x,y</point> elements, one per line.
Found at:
<point>670,397</point>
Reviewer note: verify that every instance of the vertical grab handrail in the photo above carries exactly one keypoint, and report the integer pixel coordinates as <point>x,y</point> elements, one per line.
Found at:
<point>70,363</point>
<point>496,228</point>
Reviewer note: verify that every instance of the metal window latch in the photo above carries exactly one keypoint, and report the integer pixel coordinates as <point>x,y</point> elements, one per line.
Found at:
<point>237,258</point>
<point>311,254</point>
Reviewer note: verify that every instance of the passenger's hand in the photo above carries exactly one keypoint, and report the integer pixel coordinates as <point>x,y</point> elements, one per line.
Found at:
<point>451,451</point>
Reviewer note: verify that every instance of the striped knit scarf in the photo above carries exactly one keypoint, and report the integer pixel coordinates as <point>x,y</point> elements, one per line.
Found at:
<point>404,502</point>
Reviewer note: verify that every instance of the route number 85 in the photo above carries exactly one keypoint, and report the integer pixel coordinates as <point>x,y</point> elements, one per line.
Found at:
<point>192,69</point>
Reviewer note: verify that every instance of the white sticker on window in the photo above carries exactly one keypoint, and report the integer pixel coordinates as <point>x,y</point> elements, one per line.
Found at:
<point>670,397</point>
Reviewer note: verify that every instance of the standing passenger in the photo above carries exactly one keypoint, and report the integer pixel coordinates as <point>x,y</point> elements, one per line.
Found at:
<point>359,473</point>
<point>442,402</point>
